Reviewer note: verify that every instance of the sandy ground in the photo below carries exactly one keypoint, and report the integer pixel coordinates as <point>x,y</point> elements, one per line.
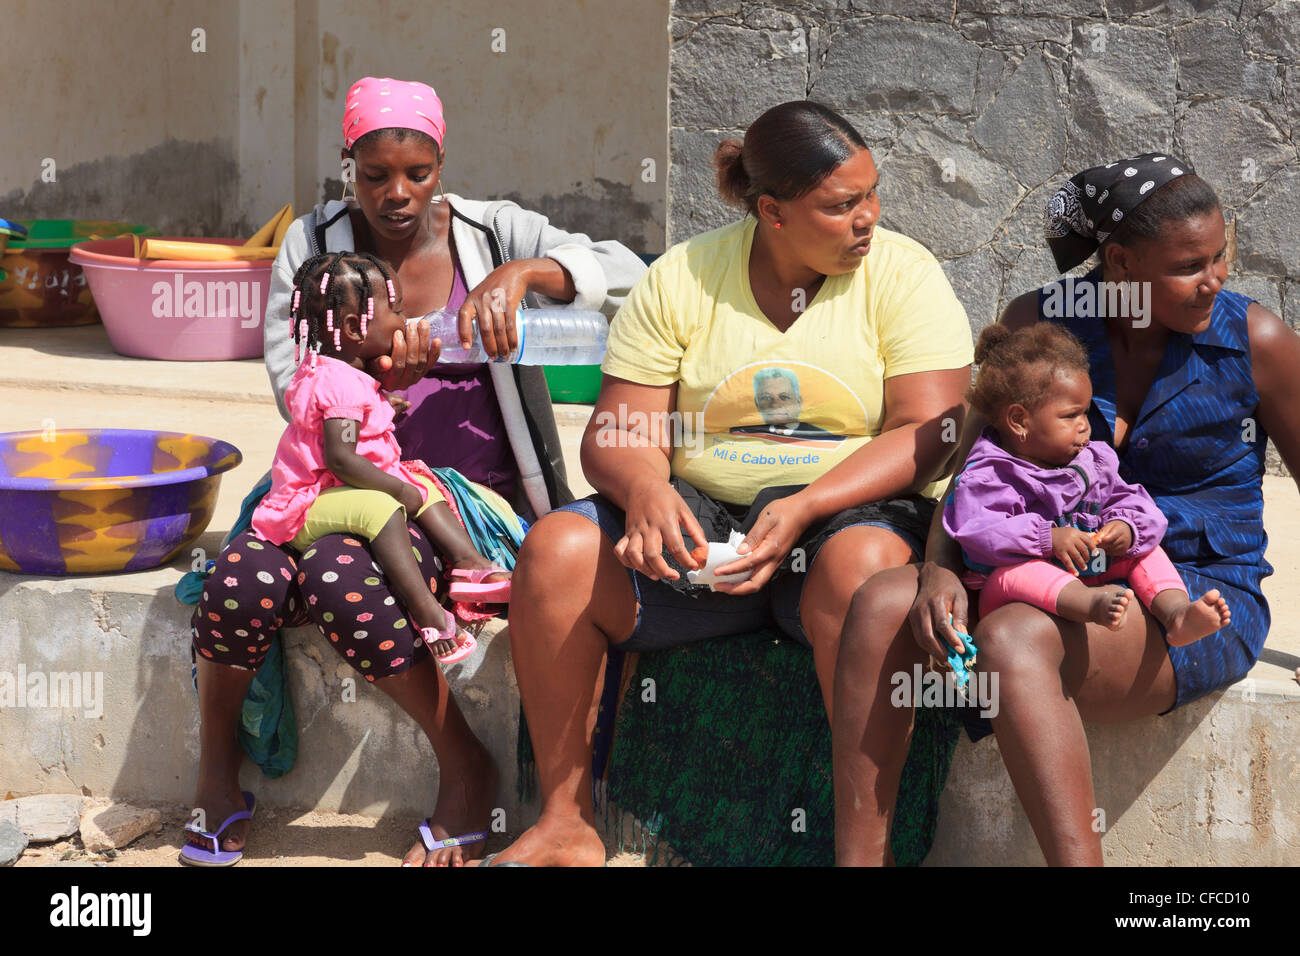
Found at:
<point>282,837</point>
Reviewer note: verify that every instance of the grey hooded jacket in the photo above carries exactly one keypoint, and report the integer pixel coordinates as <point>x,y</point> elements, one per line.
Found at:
<point>485,234</point>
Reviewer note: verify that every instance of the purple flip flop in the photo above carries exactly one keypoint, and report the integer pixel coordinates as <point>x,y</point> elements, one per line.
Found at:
<point>196,855</point>
<point>430,844</point>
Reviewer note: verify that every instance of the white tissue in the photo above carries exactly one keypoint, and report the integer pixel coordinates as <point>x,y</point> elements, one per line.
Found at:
<point>720,553</point>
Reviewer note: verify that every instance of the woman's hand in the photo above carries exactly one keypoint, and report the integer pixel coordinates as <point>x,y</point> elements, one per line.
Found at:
<point>939,594</point>
<point>655,515</point>
<point>413,352</point>
<point>494,302</point>
<point>767,544</point>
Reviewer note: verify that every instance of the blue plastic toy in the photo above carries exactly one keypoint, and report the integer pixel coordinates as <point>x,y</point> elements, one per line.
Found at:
<point>962,664</point>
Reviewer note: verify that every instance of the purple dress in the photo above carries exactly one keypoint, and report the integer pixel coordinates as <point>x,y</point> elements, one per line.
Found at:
<point>455,421</point>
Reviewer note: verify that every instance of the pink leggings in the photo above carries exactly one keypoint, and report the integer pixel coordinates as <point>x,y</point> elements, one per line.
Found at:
<point>1039,582</point>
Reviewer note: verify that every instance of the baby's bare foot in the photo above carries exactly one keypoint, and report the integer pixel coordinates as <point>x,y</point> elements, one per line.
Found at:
<point>1110,606</point>
<point>1197,619</point>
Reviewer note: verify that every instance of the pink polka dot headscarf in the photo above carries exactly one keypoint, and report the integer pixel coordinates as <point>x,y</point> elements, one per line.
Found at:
<point>374,103</point>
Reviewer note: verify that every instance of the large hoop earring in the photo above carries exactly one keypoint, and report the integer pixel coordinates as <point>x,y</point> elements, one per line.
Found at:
<point>345,197</point>
<point>442,196</point>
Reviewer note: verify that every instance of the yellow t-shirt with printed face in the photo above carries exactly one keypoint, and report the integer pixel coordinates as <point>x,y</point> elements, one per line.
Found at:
<point>758,407</point>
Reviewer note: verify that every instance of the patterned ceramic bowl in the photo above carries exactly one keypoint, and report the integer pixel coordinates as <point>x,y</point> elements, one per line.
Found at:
<point>81,500</point>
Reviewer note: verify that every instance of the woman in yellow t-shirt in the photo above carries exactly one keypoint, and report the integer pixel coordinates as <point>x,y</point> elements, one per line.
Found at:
<point>796,376</point>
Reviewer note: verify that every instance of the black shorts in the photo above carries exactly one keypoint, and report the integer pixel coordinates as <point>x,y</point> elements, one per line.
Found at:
<point>673,613</point>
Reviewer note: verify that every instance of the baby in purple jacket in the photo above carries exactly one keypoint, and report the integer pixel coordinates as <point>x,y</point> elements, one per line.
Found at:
<point>1034,488</point>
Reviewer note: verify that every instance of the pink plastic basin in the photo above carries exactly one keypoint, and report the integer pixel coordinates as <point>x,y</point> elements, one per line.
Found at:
<point>176,310</point>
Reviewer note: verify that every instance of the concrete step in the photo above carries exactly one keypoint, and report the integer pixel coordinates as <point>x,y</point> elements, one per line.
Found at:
<point>1214,782</point>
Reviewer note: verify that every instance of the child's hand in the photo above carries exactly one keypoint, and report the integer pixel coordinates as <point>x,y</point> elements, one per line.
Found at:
<point>1115,538</point>
<point>1073,548</point>
<point>411,500</point>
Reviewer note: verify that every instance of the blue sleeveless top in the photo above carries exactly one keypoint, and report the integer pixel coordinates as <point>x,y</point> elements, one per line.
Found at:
<point>1198,449</point>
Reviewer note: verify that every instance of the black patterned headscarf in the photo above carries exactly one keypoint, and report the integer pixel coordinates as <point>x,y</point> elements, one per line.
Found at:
<point>1089,206</point>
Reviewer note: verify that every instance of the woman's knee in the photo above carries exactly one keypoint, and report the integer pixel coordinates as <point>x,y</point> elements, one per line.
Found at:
<point>243,603</point>
<point>1019,638</point>
<point>884,598</point>
<point>859,553</point>
<point>877,613</point>
<point>561,546</point>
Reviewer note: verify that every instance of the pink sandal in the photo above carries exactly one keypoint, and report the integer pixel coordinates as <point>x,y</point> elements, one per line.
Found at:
<point>465,643</point>
<point>477,591</point>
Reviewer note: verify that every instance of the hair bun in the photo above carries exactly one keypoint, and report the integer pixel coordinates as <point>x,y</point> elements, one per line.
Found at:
<point>990,341</point>
<point>733,181</point>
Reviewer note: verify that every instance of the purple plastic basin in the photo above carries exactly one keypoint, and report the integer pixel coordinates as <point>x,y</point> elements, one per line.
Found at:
<point>80,501</point>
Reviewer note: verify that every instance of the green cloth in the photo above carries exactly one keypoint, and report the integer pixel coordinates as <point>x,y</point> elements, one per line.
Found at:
<point>730,764</point>
<point>267,730</point>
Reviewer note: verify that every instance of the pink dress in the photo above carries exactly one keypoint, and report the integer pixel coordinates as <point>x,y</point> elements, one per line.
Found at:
<point>333,389</point>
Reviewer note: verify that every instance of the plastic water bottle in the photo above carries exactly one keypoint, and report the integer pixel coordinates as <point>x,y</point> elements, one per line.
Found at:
<point>546,337</point>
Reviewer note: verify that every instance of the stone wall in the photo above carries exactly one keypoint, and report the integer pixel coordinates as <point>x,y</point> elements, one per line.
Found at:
<point>202,119</point>
<point>976,109</point>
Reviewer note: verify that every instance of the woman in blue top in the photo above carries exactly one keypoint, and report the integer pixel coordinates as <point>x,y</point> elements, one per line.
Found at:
<point>1189,382</point>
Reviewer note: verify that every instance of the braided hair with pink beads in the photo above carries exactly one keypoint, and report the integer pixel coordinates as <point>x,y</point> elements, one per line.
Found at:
<point>329,285</point>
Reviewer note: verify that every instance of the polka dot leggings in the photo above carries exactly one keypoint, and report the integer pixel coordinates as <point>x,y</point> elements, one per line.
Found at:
<point>256,588</point>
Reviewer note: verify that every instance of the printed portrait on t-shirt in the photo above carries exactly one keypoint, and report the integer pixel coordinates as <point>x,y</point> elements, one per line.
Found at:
<point>790,403</point>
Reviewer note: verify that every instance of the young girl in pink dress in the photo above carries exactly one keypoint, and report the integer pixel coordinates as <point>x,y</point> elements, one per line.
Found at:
<point>1036,489</point>
<point>338,467</point>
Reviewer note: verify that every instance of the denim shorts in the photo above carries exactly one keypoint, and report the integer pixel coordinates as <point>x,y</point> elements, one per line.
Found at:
<point>674,613</point>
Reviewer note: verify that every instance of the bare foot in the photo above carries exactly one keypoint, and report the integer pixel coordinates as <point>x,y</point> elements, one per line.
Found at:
<point>556,841</point>
<point>217,805</point>
<point>464,806</point>
<point>1195,619</point>
<point>1109,606</point>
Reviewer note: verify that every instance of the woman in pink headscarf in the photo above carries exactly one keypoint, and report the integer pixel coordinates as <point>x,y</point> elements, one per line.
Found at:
<point>493,423</point>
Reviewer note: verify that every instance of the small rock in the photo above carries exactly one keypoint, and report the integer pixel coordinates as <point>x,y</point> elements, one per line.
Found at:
<point>114,826</point>
<point>12,843</point>
<point>45,817</point>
